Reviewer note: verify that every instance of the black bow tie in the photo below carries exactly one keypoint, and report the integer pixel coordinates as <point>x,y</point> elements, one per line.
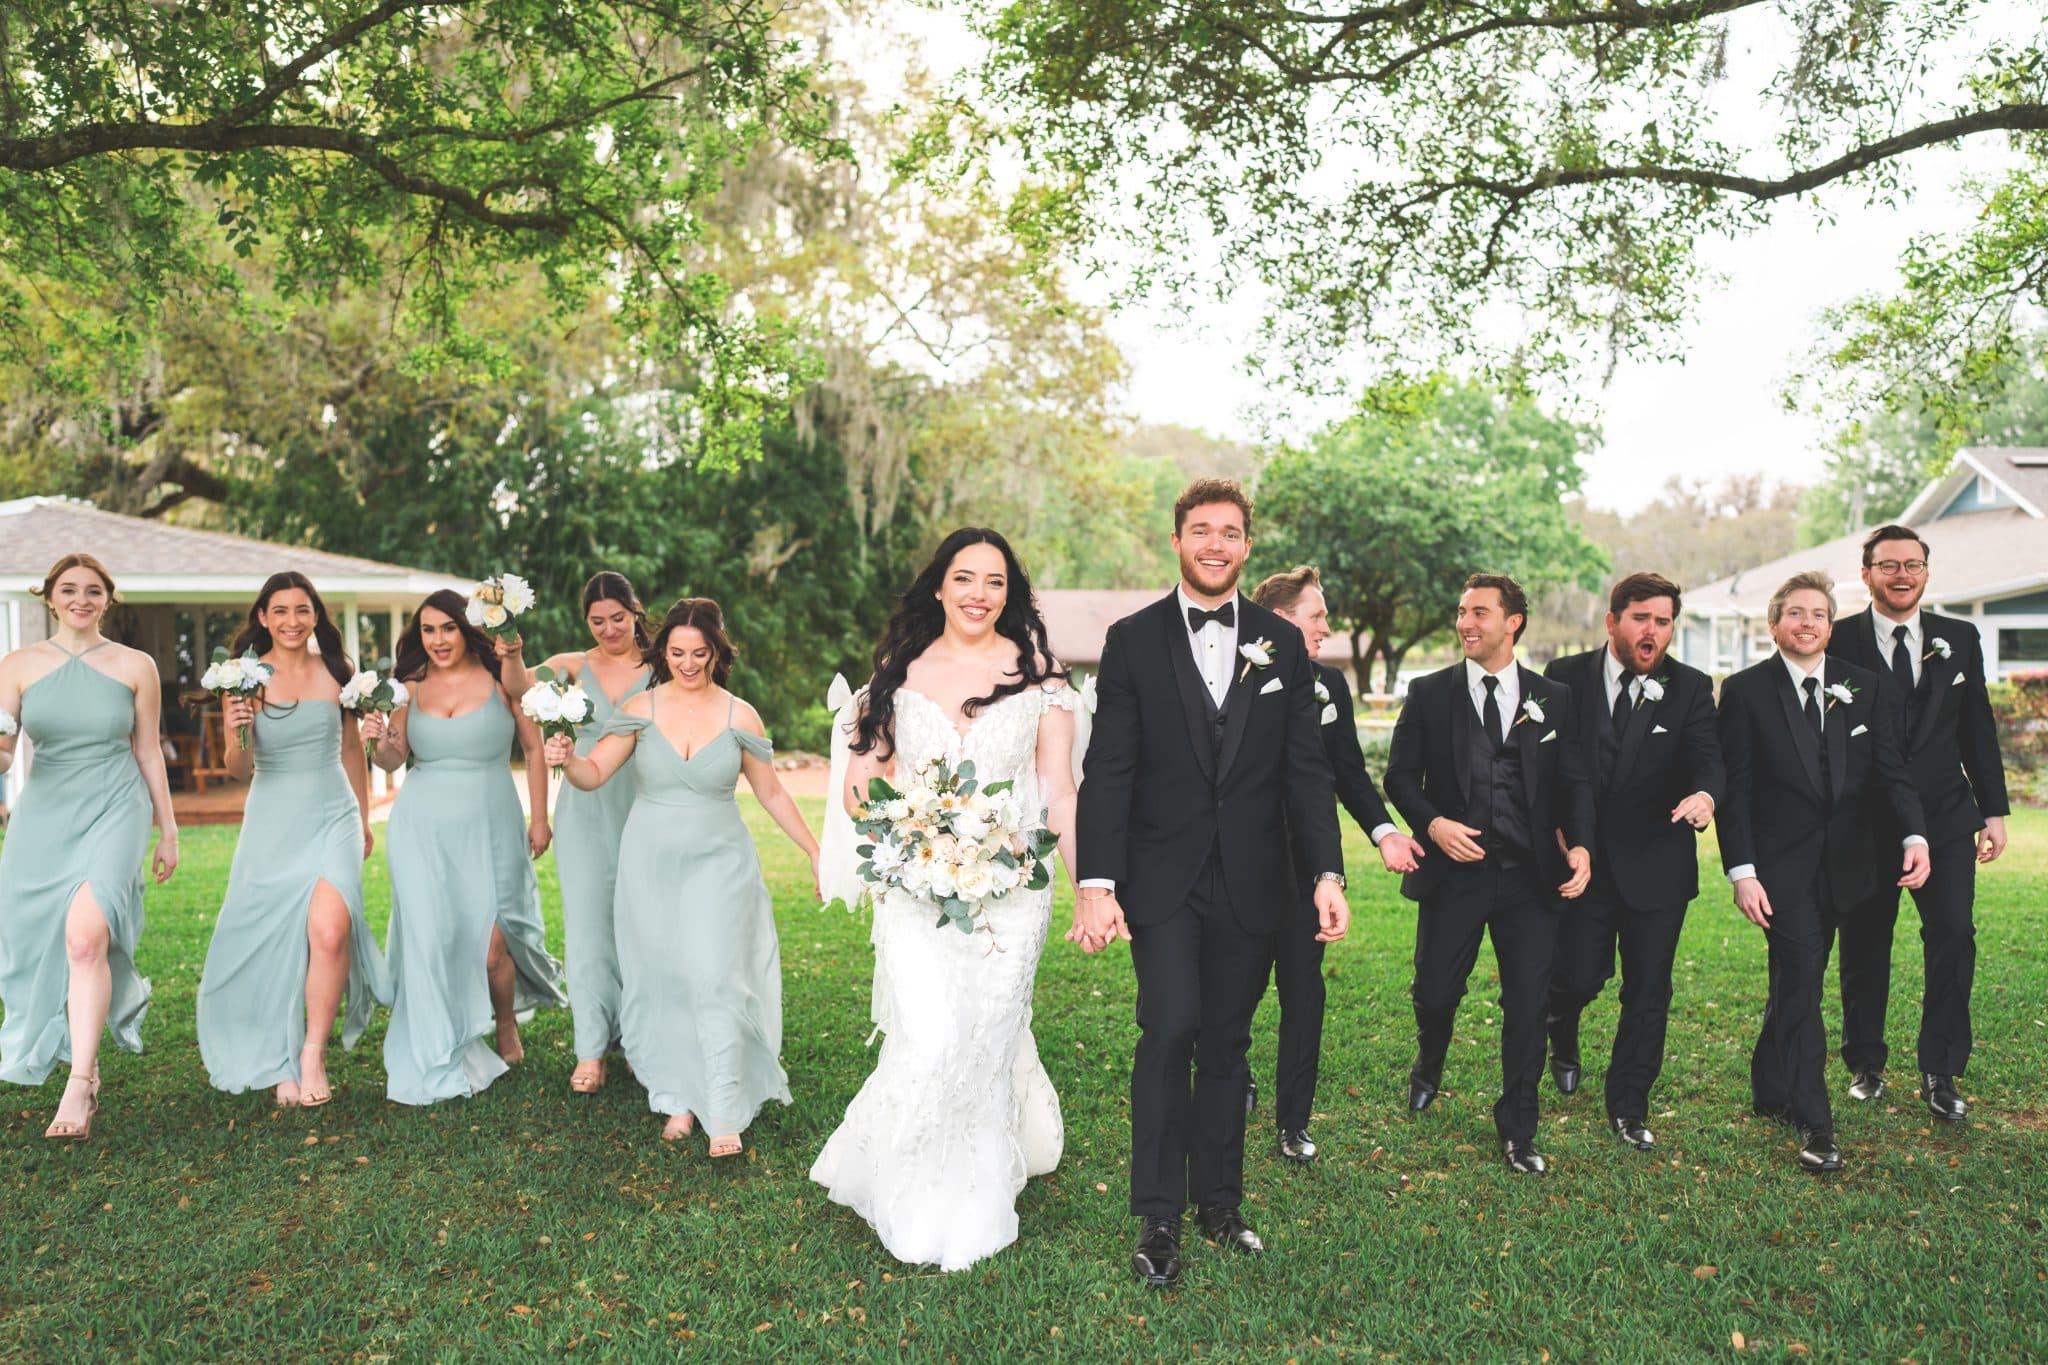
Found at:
<point>1225,615</point>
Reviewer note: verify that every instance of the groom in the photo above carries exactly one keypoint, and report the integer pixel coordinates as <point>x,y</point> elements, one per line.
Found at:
<point>1205,751</point>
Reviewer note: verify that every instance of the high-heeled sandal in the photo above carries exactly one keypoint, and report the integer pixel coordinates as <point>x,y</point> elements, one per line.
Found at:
<point>77,1132</point>
<point>729,1145</point>
<point>588,1077</point>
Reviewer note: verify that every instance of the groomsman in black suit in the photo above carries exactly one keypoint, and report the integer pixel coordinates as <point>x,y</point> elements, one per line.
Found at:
<point>1297,598</point>
<point>1646,724</point>
<point>1486,765</point>
<point>1811,743</point>
<point>1936,667</point>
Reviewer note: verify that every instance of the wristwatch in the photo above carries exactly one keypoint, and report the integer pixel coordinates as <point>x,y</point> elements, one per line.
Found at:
<point>1337,877</point>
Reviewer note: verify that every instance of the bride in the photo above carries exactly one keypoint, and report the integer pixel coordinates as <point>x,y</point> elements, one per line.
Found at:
<point>958,1113</point>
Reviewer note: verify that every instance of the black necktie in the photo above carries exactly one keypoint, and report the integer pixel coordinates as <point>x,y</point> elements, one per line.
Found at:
<point>1623,705</point>
<point>1225,615</point>
<point>1489,714</point>
<point>1902,661</point>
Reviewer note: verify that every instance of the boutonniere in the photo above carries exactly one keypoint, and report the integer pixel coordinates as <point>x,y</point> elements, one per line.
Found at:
<point>1257,654</point>
<point>1937,646</point>
<point>1322,692</point>
<point>1530,711</point>
<point>1839,692</point>
<point>1653,689</point>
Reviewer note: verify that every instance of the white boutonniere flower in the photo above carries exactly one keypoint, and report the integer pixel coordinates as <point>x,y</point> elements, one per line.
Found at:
<point>1653,689</point>
<point>1257,654</point>
<point>1530,711</point>
<point>1937,647</point>
<point>1322,692</point>
<point>1839,693</point>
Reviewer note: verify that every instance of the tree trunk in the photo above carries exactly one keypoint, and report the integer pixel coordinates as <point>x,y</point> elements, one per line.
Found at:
<point>1361,664</point>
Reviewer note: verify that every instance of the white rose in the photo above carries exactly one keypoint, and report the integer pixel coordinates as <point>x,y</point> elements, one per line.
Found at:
<point>358,689</point>
<point>474,612</point>
<point>575,706</point>
<point>8,725</point>
<point>1652,690</point>
<point>495,616</point>
<point>399,696</point>
<point>518,593</point>
<point>542,703</point>
<point>899,809</point>
<point>970,827</point>
<point>210,680</point>
<point>945,848</point>
<point>1532,711</point>
<point>979,804</point>
<point>1322,692</point>
<point>1004,878</point>
<point>1259,653</point>
<point>939,881</point>
<point>914,878</point>
<point>974,881</point>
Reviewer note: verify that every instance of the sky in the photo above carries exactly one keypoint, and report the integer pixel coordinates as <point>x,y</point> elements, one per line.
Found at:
<point>1719,409</point>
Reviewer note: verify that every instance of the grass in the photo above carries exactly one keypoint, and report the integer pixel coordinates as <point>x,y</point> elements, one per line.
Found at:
<point>528,1220</point>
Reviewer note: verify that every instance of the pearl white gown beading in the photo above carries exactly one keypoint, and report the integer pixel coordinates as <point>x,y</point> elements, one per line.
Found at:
<point>958,1113</point>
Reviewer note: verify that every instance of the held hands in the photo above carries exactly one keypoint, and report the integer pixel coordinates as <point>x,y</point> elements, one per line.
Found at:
<point>1695,810</point>
<point>1098,921</point>
<point>1991,839</point>
<point>538,835</point>
<point>1333,915</point>
<point>1752,902</point>
<point>1460,841</point>
<point>1400,852</point>
<point>1917,867</point>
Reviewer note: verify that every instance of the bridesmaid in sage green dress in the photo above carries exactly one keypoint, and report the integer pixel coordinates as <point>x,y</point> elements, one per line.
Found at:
<point>71,868</point>
<point>588,824</point>
<point>702,1007</point>
<point>466,944</point>
<point>291,938</point>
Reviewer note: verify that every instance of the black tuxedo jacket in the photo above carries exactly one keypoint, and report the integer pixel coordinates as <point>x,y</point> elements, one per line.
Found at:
<point>1775,816</point>
<point>1355,791</point>
<point>1161,786</point>
<point>1426,774</point>
<point>1953,750</point>
<point>1667,751</point>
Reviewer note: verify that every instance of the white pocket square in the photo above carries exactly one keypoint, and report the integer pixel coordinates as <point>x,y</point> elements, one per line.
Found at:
<point>1272,685</point>
<point>1857,731</point>
<point>1547,738</point>
<point>1659,730</point>
<point>1959,678</point>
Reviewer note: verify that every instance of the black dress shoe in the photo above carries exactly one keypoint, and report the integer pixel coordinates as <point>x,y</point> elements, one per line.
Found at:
<point>1420,1093</point>
<point>1297,1146</point>
<point>1942,1100</point>
<point>1775,1113</point>
<point>1251,1097</point>
<point>1866,1085</point>
<point>1632,1131</point>
<point>1156,1258</point>
<point>1564,1057</point>
<point>1565,1073</point>
<point>1818,1153</point>
<point>1222,1225</point>
<point>1520,1155</point>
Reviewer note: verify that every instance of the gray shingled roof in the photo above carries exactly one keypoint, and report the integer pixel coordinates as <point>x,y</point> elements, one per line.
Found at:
<point>35,532</point>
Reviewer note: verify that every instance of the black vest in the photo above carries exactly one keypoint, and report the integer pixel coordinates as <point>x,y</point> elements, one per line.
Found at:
<point>1497,803</point>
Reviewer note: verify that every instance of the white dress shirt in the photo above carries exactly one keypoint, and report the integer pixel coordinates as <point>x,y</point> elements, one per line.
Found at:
<point>1882,627</point>
<point>1508,695</point>
<point>1617,676</point>
<point>1214,645</point>
<point>1799,677</point>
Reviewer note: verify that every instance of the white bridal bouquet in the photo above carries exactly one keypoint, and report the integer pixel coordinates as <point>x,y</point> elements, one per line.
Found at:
<point>373,689</point>
<point>496,604</point>
<point>953,842</point>
<point>243,677</point>
<point>556,706</point>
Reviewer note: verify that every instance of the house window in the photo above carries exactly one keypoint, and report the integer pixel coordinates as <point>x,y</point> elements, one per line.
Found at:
<point>2023,648</point>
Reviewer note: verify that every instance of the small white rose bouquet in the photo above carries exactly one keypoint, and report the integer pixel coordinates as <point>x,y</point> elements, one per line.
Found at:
<point>243,677</point>
<point>557,706</point>
<point>1938,647</point>
<point>8,725</point>
<point>374,689</point>
<point>952,842</point>
<point>496,604</point>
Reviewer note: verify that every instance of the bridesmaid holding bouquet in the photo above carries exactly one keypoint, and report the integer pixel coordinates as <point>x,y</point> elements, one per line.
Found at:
<point>71,870</point>
<point>291,939</point>
<point>466,944</point>
<point>588,824</point>
<point>701,1012</point>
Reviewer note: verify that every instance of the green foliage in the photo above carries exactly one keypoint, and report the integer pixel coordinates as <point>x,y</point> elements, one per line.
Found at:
<point>1429,482</point>
<point>2020,706</point>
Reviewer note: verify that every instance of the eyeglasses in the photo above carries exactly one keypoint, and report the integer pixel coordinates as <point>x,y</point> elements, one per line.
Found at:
<point>1913,567</point>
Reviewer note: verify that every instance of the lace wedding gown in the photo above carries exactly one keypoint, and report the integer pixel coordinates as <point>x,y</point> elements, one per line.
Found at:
<point>958,1113</point>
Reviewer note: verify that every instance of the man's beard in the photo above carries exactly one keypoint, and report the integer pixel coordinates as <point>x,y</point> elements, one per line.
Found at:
<point>1190,573</point>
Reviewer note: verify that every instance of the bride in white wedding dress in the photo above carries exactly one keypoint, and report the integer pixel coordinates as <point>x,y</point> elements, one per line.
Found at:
<point>958,1112</point>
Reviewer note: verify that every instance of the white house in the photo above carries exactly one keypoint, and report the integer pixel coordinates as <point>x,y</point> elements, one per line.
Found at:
<point>183,591</point>
<point>1986,525</point>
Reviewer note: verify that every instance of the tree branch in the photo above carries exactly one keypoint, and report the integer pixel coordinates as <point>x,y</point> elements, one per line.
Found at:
<point>288,75</point>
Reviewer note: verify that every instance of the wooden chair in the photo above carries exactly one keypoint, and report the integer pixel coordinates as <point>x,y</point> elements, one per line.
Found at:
<point>211,758</point>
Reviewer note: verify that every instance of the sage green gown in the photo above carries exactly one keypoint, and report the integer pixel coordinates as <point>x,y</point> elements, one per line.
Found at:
<point>701,1012</point>
<point>456,846</point>
<point>587,830</point>
<point>300,826</point>
<point>83,819</point>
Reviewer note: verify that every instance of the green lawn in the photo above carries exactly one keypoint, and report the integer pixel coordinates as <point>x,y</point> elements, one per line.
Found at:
<point>201,1225</point>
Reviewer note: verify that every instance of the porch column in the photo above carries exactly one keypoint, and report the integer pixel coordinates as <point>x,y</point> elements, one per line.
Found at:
<point>351,632</point>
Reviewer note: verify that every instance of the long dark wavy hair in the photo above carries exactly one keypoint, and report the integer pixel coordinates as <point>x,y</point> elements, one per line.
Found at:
<point>255,635</point>
<point>703,615</point>
<point>410,661</point>
<point>919,620</point>
<point>608,586</point>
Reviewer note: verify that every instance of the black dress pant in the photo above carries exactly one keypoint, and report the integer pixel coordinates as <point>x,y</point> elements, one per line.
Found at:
<point>1948,942</point>
<point>1506,904</point>
<point>1200,976</point>
<point>1298,978</point>
<point>1587,935</point>
<point>1788,1067</point>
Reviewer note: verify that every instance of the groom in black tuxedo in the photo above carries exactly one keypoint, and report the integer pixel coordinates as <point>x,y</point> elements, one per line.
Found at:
<point>1205,754</point>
